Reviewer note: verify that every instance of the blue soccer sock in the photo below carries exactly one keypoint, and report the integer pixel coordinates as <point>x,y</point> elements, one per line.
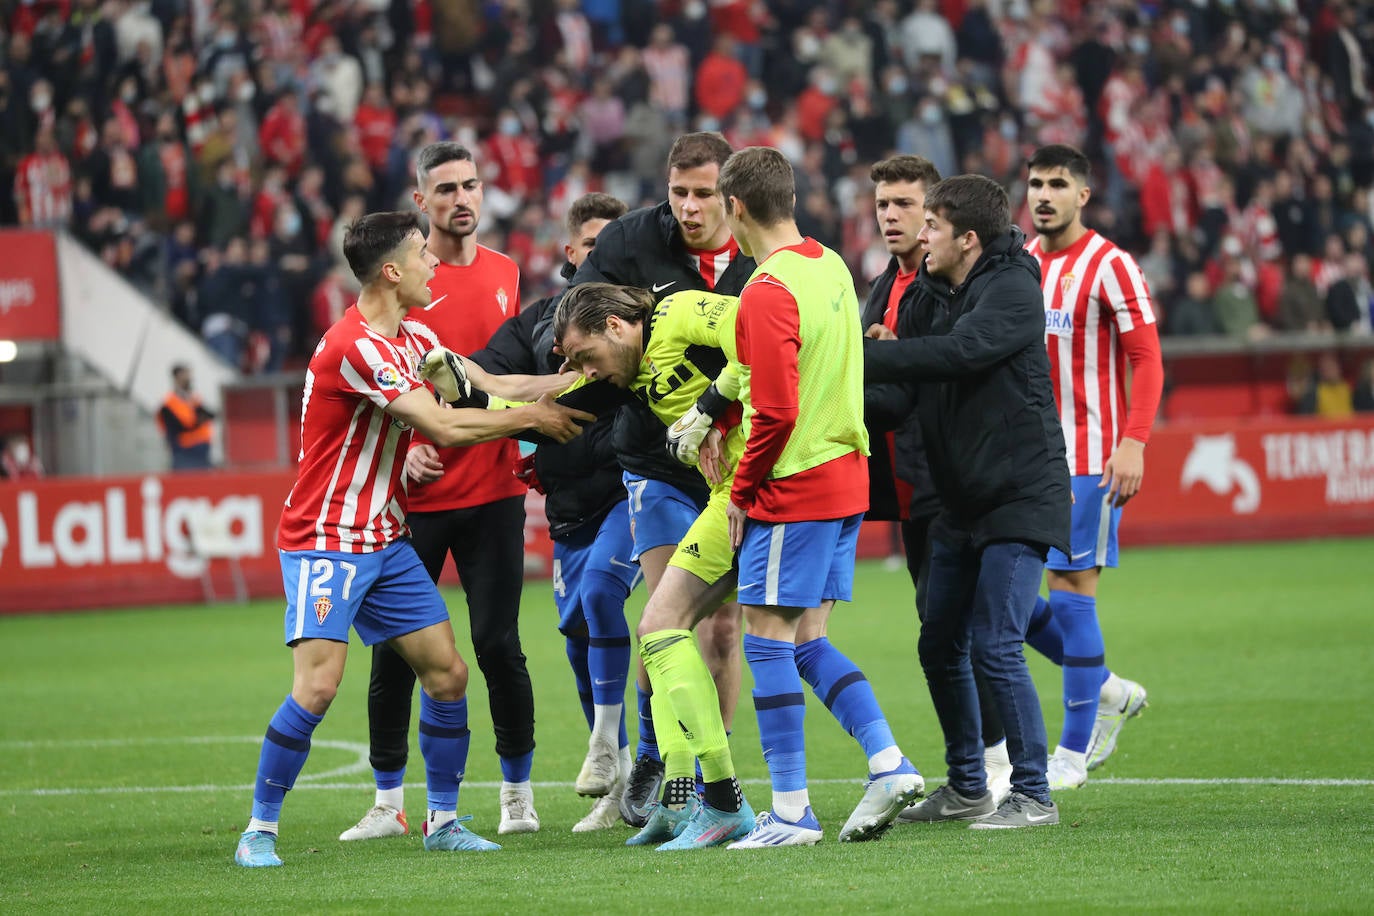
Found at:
<point>1043,634</point>
<point>648,740</point>
<point>842,687</point>
<point>517,769</point>
<point>1083,665</point>
<point>578,650</point>
<point>780,704</point>
<point>444,740</point>
<point>608,656</point>
<point>284,749</point>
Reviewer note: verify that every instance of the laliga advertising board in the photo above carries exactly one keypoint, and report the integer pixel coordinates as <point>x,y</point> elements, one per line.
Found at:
<point>73,543</point>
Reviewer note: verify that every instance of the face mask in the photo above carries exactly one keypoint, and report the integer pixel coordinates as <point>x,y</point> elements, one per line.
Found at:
<point>128,95</point>
<point>41,101</point>
<point>897,85</point>
<point>246,92</point>
<point>1270,61</point>
<point>510,126</point>
<point>206,93</point>
<point>930,114</point>
<point>1009,130</point>
<point>757,98</point>
<point>291,223</point>
<point>827,85</point>
<point>1140,44</point>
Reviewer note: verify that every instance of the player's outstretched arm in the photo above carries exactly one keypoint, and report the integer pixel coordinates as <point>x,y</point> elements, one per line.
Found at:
<point>453,374</point>
<point>449,427</point>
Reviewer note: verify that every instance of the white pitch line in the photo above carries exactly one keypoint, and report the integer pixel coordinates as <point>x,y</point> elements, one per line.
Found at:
<point>365,786</point>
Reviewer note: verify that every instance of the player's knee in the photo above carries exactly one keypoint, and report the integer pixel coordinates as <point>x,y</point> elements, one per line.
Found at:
<point>720,636</point>
<point>315,694</point>
<point>447,684</point>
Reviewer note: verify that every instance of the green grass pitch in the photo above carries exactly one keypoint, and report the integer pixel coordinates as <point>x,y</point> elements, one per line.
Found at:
<point>130,740</point>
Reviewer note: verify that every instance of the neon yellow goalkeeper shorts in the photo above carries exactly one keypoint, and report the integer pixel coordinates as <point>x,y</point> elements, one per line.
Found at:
<point>704,550</point>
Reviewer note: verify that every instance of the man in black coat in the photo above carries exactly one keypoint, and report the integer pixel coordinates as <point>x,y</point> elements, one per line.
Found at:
<point>682,243</point>
<point>976,366</point>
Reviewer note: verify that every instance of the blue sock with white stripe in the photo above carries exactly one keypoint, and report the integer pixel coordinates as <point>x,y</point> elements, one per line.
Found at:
<point>845,691</point>
<point>444,740</point>
<point>608,655</point>
<point>1083,665</point>
<point>577,649</point>
<point>648,739</point>
<point>284,749</point>
<point>1043,633</point>
<point>780,706</point>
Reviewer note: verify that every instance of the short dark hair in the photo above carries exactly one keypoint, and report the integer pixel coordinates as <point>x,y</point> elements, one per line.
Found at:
<point>595,205</point>
<point>586,307</point>
<point>702,148</point>
<point>905,168</point>
<point>761,178</point>
<point>972,202</point>
<point>1062,156</point>
<point>435,155</point>
<point>370,241</point>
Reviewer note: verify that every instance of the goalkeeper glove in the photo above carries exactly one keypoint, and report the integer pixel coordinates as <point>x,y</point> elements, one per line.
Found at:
<point>686,435</point>
<point>523,469</point>
<point>443,369</point>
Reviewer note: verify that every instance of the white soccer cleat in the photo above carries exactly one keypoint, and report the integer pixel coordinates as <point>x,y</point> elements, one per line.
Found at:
<point>1110,720</point>
<point>1067,769</point>
<point>517,811</point>
<point>884,798</point>
<point>771,830</point>
<point>382,821</point>
<point>605,814</point>
<point>997,764</point>
<point>600,770</point>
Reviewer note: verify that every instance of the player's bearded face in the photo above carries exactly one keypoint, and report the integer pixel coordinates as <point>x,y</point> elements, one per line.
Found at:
<point>602,356</point>
<point>453,199</point>
<point>1055,198</point>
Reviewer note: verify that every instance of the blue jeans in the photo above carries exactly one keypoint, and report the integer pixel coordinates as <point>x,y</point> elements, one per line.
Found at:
<point>978,606</point>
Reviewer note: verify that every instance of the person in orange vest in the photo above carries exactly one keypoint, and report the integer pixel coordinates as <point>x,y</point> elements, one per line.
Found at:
<point>186,423</point>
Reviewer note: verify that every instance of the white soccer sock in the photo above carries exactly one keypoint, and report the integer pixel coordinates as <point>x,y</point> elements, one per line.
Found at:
<point>1112,694</point>
<point>395,798</point>
<point>790,806</point>
<point>1080,758</point>
<point>522,788</point>
<point>886,760</point>
<point>436,819</point>
<point>255,825</point>
<point>606,722</point>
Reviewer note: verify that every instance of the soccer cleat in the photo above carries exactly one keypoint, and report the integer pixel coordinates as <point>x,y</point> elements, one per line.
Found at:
<point>517,811</point>
<point>946,804</point>
<point>1019,811</point>
<point>1066,770</point>
<point>453,837</point>
<point>599,771</point>
<point>997,765</point>
<point>884,798</point>
<point>771,830</point>
<point>605,813</point>
<point>381,821</point>
<point>641,790</point>
<point>663,824</point>
<point>1107,726</point>
<point>709,827</point>
<point>257,849</point>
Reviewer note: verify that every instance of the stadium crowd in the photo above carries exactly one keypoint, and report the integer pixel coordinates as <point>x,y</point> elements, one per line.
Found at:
<point>213,152</point>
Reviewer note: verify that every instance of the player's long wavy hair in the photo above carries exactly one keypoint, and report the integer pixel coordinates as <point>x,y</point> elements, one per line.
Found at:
<point>587,306</point>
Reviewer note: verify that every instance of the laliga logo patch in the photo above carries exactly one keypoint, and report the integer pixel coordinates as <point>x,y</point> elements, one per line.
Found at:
<point>388,376</point>
<point>322,608</point>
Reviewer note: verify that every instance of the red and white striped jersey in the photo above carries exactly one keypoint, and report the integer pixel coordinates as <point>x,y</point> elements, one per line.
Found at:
<point>350,494</point>
<point>711,264</point>
<point>1094,293</point>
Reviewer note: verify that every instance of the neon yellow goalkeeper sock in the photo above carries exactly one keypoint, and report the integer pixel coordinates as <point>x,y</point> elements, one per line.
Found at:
<point>677,671</point>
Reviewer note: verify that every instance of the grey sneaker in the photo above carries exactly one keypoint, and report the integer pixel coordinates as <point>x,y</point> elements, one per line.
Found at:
<point>946,804</point>
<point>1019,811</point>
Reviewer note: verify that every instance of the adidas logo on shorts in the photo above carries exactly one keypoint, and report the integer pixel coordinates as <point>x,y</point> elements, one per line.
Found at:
<point>692,550</point>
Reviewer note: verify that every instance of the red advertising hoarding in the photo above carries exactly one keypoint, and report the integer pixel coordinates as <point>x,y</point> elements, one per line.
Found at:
<point>29,305</point>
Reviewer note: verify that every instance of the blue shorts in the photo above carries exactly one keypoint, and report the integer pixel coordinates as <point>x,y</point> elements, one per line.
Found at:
<point>1092,538</point>
<point>608,548</point>
<point>798,564</point>
<point>381,595</point>
<point>660,513</point>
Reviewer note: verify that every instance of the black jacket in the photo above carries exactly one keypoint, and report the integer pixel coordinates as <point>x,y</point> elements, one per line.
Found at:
<point>644,248</point>
<point>974,361</point>
<point>581,478</point>
<point>909,463</point>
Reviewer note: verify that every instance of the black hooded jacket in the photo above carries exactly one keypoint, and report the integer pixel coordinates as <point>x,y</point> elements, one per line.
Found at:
<point>973,359</point>
<point>909,462</point>
<point>644,248</point>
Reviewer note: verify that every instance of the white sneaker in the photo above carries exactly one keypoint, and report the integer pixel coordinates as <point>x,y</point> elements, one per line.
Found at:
<point>771,830</point>
<point>997,763</point>
<point>600,769</point>
<point>1110,719</point>
<point>1067,769</point>
<point>884,798</point>
<point>517,811</point>
<point>381,821</point>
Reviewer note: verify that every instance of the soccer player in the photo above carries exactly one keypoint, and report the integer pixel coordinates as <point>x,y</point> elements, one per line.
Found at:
<point>1098,319</point>
<point>345,556</point>
<point>465,503</point>
<point>589,521</point>
<point>973,361</point>
<point>799,492</point>
<point>679,244</point>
